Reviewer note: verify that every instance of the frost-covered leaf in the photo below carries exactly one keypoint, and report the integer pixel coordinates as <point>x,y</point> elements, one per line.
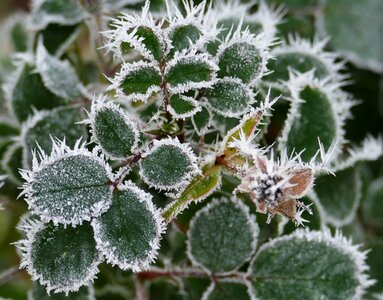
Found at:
<point>58,76</point>
<point>229,97</point>
<point>222,236</point>
<point>302,56</point>
<point>168,164</point>
<point>15,32</point>
<point>25,90</point>
<point>182,107</point>
<point>79,185</point>
<point>129,233</point>
<point>284,268</point>
<point>187,71</point>
<point>113,129</point>
<point>137,81</point>
<point>59,123</point>
<point>183,36</point>
<point>62,258</point>
<point>150,40</point>
<point>201,187</point>
<point>373,204</point>
<point>57,38</point>
<point>338,196</point>
<point>234,289</point>
<point>244,56</point>
<point>2,179</point>
<point>67,12</point>
<point>40,293</point>
<point>363,17</point>
<point>318,111</point>
<point>201,121</point>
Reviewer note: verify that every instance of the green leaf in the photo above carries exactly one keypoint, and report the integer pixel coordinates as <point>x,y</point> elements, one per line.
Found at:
<point>62,258</point>
<point>26,91</point>
<point>189,71</point>
<point>67,12</point>
<point>57,38</point>
<point>311,117</point>
<point>8,129</point>
<point>222,236</point>
<point>309,265</point>
<point>201,187</point>
<point>339,196</point>
<point>11,162</point>
<point>113,130</point>
<point>373,204</point>
<point>59,123</point>
<point>17,31</point>
<point>182,36</point>
<point>168,165</point>
<point>58,76</point>
<point>137,81</point>
<point>229,97</point>
<point>40,293</point>
<point>79,185</point>
<point>129,233</point>
<point>201,121</point>
<point>227,290</point>
<point>182,107</point>
<point>240,60</point>
<point>294,4</point>
<point>363,17</point>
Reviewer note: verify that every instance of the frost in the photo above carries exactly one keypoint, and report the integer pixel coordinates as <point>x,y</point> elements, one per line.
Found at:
<point>2,179</point>
<point>370,149</point>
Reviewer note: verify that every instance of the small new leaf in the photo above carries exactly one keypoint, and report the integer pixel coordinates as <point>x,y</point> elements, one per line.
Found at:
<point>188,71</point>
<point>168,165</point>
<point>137,81</point>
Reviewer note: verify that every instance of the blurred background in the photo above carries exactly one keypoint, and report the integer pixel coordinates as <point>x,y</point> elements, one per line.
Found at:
<point>355,29</point>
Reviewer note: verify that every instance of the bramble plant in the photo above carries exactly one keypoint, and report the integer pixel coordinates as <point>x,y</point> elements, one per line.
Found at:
<point>152,163</point>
